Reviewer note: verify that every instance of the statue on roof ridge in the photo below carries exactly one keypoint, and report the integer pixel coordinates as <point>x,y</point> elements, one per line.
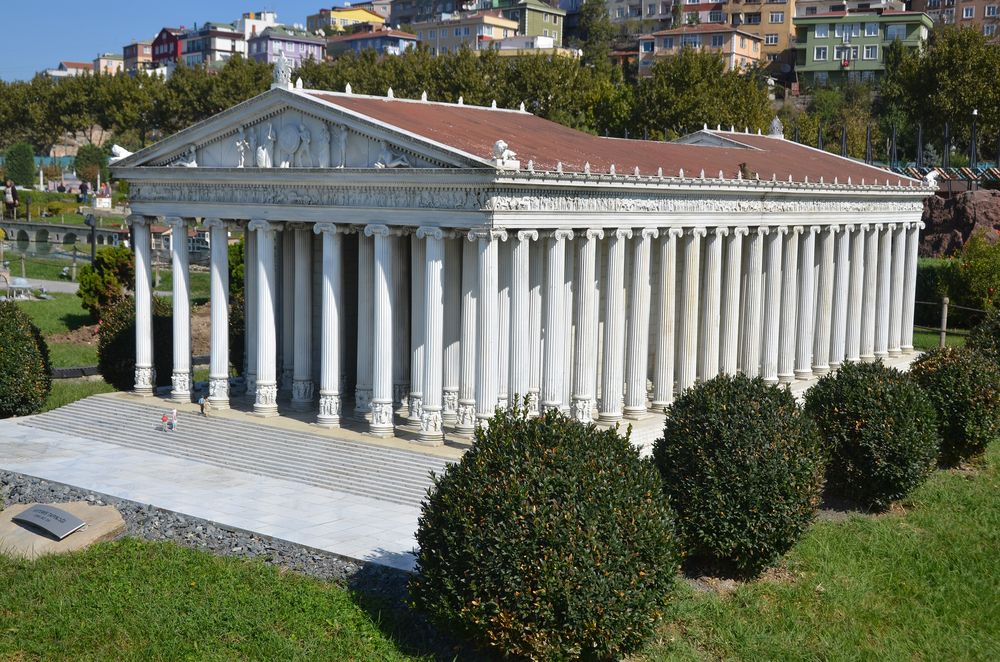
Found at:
<point>282,71</point>
<point>777,129</point>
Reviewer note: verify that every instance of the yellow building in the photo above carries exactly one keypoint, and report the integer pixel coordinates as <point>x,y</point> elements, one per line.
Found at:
<point>739,49</point>
<point>339,19</point>
<point>771,20</point>
<point>475,31</point>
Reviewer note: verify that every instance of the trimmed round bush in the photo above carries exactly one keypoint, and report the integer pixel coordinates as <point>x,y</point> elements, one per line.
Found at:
<point>116,343</point>
<point>964,388</point>
<point>549,540</point>
<point>742,466</point>
<point>25,371</point>
<point>985,337</point>
<point>879,432</point>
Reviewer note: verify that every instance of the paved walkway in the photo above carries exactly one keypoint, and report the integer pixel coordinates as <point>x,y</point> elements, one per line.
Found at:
<point>63,286</point>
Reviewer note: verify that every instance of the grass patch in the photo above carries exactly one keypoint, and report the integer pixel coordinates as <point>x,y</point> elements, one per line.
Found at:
<point>916,585</point>
<point>72,355</point>
<point>65,391</point>
<point>199,281</point>
<point>932,339</point>
<point>133,600</point>
<point>62,313</point>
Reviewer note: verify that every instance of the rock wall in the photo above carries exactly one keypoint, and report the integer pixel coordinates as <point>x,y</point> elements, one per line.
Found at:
<point>950,222</point>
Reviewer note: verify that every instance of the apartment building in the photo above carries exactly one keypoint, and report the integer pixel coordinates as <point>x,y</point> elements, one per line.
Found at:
<point>167,46</point>
<point>137,56</point>
<point>341,19</point>
<point>383,41</point>
<point>211,44</point>
<point>296,44</point>
<point>771,21</point>
<point>534,18</point>
<point>474,31</point>
<point>739,49</point>
<point>980,14</point>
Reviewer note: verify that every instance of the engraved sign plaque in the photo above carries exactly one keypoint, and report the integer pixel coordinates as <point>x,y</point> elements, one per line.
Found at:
<point>52,520</point>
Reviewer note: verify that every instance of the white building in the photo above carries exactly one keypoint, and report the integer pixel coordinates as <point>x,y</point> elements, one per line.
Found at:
<point>406,269</point>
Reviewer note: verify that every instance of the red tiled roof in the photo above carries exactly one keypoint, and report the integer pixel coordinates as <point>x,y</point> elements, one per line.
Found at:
<point>373,34</point>
<point>474,130</point>
<point>701,28</point>
<point>77,65</point>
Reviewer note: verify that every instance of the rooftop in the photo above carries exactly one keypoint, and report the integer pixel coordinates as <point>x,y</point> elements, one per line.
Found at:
<point>701,28</point>
<point>371,34</point>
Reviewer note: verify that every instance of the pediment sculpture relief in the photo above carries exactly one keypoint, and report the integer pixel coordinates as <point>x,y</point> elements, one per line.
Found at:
<point>188,160</point>
<point>387,159</point>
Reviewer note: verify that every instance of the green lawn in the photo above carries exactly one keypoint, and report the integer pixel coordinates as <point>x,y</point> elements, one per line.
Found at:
<point>62,313</point>
<point>65,391</point>
<point>932,339</point>
<point>72,355</point>
<point>199,281</point>
<point>41,267</point>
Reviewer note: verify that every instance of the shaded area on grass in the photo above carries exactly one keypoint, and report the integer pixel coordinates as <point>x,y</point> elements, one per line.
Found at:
<point>65,391</point>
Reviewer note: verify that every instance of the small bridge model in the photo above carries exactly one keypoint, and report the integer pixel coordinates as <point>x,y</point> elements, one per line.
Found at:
<point>60,233</point>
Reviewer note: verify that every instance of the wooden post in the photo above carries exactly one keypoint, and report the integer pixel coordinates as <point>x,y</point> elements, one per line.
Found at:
<point>944,320</point>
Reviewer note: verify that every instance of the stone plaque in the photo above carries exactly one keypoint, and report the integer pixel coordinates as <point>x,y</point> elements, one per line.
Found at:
<point>50,519</point>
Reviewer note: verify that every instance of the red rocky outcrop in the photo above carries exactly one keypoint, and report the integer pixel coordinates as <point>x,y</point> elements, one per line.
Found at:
<point>950,222</point>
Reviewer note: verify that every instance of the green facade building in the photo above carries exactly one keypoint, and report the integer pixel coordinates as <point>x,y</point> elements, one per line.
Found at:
<point>534,18</point>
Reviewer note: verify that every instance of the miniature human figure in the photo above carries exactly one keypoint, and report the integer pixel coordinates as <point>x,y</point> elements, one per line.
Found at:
<point>241,147</point>
<point>341,147</point>
<point>252,145</point>
<point>324,147</point>
<point>386,159</point>
<point>175,419</point>
<point>303,157</point>
<point>202,403</point>
<point>10,197</point>
<point>165,424</point>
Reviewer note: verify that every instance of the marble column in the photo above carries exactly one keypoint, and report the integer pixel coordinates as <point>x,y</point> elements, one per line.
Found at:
<point>613,373</point>
<point>331,313</point>
<point>286,305</point>
<point>366,315</point>
<point>452,327</point>
<point>145,377</point>
<point>382,332</point>
<point>842,286</point>
<point>266,395</point>
<point>870,293</point>
<point>711,314</point>
<point>504,276</point>
<point>218,367</point>
<point>807,311</point>
<point>731,285</point>
<point>824,301</point>
<point>585,352</point>
<point>487,323</point>
<point>883,301</point>
<point>400,304</point>
<point>789,307</point>
<point>555,318</point>
<point>569,287</point>
<point>536,277</point>
<point>250,290</point>
<point>637,341</point>
<point>431,428</point>
<point>181,373</point>
<point>466,415</point>
<point>418,270</point>
<point>663,372</point>
<point>519,362</point>
<point>772,304</point>
<point>852,343</point>
<point>910,285</point>
<point>896,289</point>
<point>753,300</point>
<point>302,381</point>
<point>687,337</point>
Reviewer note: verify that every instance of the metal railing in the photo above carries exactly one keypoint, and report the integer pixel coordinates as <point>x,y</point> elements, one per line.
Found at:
<point>943,330</point>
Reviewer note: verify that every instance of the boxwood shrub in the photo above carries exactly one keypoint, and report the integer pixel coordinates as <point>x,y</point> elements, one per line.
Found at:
<point>985,336</point>
<point>879,431</point>
<point>743,468</point>
<point>25,379</point>
<point>964,388</point>
<point>116,343</point>
<point>549,540</point>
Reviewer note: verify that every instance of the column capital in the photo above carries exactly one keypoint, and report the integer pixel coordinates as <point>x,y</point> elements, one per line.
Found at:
<point>739,231</point>
<point>891,227</point>
<point>878,227</point>
<point>527,235</point>
<point>649,233</point>
<point>261,224</point>
<point>211,223</point>
<point>798,229</point>
<point>430,232</point>
<point>489,234</point>
<point>622,233</point>
<point>848,227</point>
<point>763,230</point>
<point>377,230</point>
<point>138,219</point>
<point>673,233</point>
<point>834,229</point>
<point>698,232</point>
<point>865,227</point>
<point>921,225</point>
<point>561,233</point>
<point>815,229</point>
<point>721,231</point>
<point>592,233</point>
<point>781,229</point>
<point>326,228</point>
<point>175,221</point>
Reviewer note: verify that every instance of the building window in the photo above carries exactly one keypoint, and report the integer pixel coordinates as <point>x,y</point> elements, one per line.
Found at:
<point>777,17</point>
<point>819,53</point>
<point>822,31</point>
<point>718,40</point>
<point>770,40</point>
<point>620,12</point>
<point>753,19</point>
<point>871,52</point>
<point>991,11</point>
<point>668,43</point>
<point>773,57</point>
<point>505,33</point>
<point>650,10</point>
<point>821,78</point>
<point>545,33</point>
<point>810,11</point>
<point>647,47</point>
<point>989,30</point>
<point>431,34</point>
<point>871,29</point>
<point>852,29</point>
<point>845,53</point>
<point>465,32</point>
<point>545,18</point>
<point>692,40</point>
<point>691,18</point>
<point>894,32</point>
<point>716,17</point>
<point>743,42</point>
<point>968,12</point>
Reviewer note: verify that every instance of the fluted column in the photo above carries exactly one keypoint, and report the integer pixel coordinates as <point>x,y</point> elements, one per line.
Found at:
<point>331,313</point>
<point>487,323</point>
<point>852,344</point>
<point>731,286</point>
<point>910,285</point>
<point>612,374</point>
<point>884,304</point>
<point>285,299</point>
<point>218,368</point>
<point>382,332</point>
<point>145,379</point>
<point>400,305</point>
<point>585,339</point>
<point>772,304</point>
<point>366,313</point>
<point>250,290</point>
<point>663,372</point>
<point>637,342</point>
<point>824,301</point>
<point>751,336</point>
<point>536,277</point>
<point>789,306</point>
<point>302,381</point>
<point>504,276</point>
<point>519,360</point>
<point>896,295</point>
<point>711,313</point>
<point>431,430</point>
<point>452,328</point>
<point>687,339</point>
<point>841,288</point>
<point>806,312</point>
<point>266,395</point>
<point>181,373</point>
<point>555,318</point>
<point>418,271</point>
<point>870,294</point>
<point>466,415</point>
<point>569,286</point>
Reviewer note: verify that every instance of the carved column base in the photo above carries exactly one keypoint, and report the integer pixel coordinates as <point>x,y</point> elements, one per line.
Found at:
<point>634,412</point>
<point>867,358</point>
<point>431,430</point>
<point>774,380</point>
<point>581,410</point>
<point>466,413</point>
<point>266,400</point>
<point>786,378</point>
<point>803,374</point>
<point>415,409</point>
<point>895,352</point>
<point>907,349</point>
<point>400,394</point>
<point>533,404</point>
<point>449,413</point>
<point>657,406</point>
<point>329,410</point>
<point>181,390</point>
<point>502,401</point>
<point>218,392</point>
<point>285,383</point>
<point>302,394</point>
<point>382,415</point>
<point>145,378</point>
<point>362,400</point>
<point>608,417</point>
<point>551,406</point>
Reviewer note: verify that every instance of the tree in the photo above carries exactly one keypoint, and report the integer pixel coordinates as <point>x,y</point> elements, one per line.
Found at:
<point>91,160</point>
<point>595,34</point>
<point>106,280</point>
<point>21,164</point>
<point>236,268</point>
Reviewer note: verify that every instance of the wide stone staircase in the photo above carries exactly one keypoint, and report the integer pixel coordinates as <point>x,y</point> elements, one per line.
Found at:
<point>379,472</point>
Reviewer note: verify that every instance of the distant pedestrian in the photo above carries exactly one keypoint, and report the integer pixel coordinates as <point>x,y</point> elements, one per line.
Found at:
<point>175,420</point>
<point>10,200</point>
<point>166,425</point>
<point>202,403</point>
